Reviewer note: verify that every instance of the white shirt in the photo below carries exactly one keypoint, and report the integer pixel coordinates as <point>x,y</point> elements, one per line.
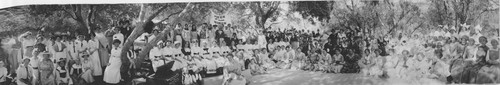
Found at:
<point>22,72</point>
<point>81,46</point>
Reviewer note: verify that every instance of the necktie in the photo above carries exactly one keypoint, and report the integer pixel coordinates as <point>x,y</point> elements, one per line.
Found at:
<point>28,73</point>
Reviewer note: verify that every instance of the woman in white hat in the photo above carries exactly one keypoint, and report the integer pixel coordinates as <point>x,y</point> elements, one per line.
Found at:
<point>112,71</point>
<point>155,55</point>
<point>46,69</point>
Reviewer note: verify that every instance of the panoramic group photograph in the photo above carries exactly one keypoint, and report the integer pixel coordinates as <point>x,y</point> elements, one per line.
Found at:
<point>330,42</point>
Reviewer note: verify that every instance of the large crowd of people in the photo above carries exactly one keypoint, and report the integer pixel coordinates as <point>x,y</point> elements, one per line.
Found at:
<point>190,53</point>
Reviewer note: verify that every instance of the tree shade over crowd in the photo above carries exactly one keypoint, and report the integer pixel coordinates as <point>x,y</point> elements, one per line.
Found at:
<point>453,41</point>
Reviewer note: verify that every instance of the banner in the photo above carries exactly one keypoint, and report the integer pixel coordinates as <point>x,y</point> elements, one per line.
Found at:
<point>218,18</point>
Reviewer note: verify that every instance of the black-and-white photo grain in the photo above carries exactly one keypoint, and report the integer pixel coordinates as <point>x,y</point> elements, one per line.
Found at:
<point>333,42</point>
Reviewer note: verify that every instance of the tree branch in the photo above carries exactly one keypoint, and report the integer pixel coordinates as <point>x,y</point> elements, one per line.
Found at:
<point>156,13</point>
<point>178,12</point>
<point>72,15</point>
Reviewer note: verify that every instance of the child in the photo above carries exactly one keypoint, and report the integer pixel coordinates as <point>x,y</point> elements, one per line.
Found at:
<point>62,74</point>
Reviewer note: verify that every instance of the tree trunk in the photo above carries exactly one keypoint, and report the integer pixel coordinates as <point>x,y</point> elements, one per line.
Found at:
<point>138,30</point>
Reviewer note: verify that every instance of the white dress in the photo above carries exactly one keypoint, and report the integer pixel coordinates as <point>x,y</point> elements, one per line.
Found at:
<point>95,58</point>
<point>112,72</point>
<point>60,51</point>
<point>156,62</point>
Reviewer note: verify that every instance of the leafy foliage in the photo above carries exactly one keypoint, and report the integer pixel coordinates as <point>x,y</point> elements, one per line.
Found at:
<point>314,9</point>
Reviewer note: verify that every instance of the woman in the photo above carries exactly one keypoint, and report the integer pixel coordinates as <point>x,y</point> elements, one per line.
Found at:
<point>112,71</point>
<point>365,63</point>
<point>87,66</point>
<point>493,62</point>
<point>34,61</point>
<point>59,49</point>
<point>339,61</point>
<point>93,49</point>
<point>46,69</point>
<point>378,60</point>
<point>23,73</point>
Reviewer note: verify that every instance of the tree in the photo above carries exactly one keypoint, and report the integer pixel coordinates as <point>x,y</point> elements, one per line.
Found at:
<point>263,11</point>
<point>377,17</point>
<point>456,12</point>
<point>144,20</point>
<point>313,9</point>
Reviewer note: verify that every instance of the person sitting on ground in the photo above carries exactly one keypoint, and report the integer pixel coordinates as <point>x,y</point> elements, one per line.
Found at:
<point>493,62</point>
<point>365,63</point>
<point>87,67</point>
<point>339,61</point>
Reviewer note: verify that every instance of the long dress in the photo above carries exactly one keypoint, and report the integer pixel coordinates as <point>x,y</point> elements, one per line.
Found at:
<point>46,67</point>
<point>103,49</point>
<point>95,58</point>
<point>59,51</point>
<point>112,72</point>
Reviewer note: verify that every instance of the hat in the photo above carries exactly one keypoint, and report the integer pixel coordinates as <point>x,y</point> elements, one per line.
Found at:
<point>159,43</point>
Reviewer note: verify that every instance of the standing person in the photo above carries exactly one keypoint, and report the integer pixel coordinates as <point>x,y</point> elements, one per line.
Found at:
<point>118,35</point>
<point>71,51</point>
<point>103,50</point>
<point>94,55</point>
<point>46,71</point>
<point>80,46</point>
<point>186,33</point>
<point>23,73</point>
<point>28,41</point>
<point>194,34</point>
<point>34,61</point>
<point>112,72</point>
<point>59,48</point>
